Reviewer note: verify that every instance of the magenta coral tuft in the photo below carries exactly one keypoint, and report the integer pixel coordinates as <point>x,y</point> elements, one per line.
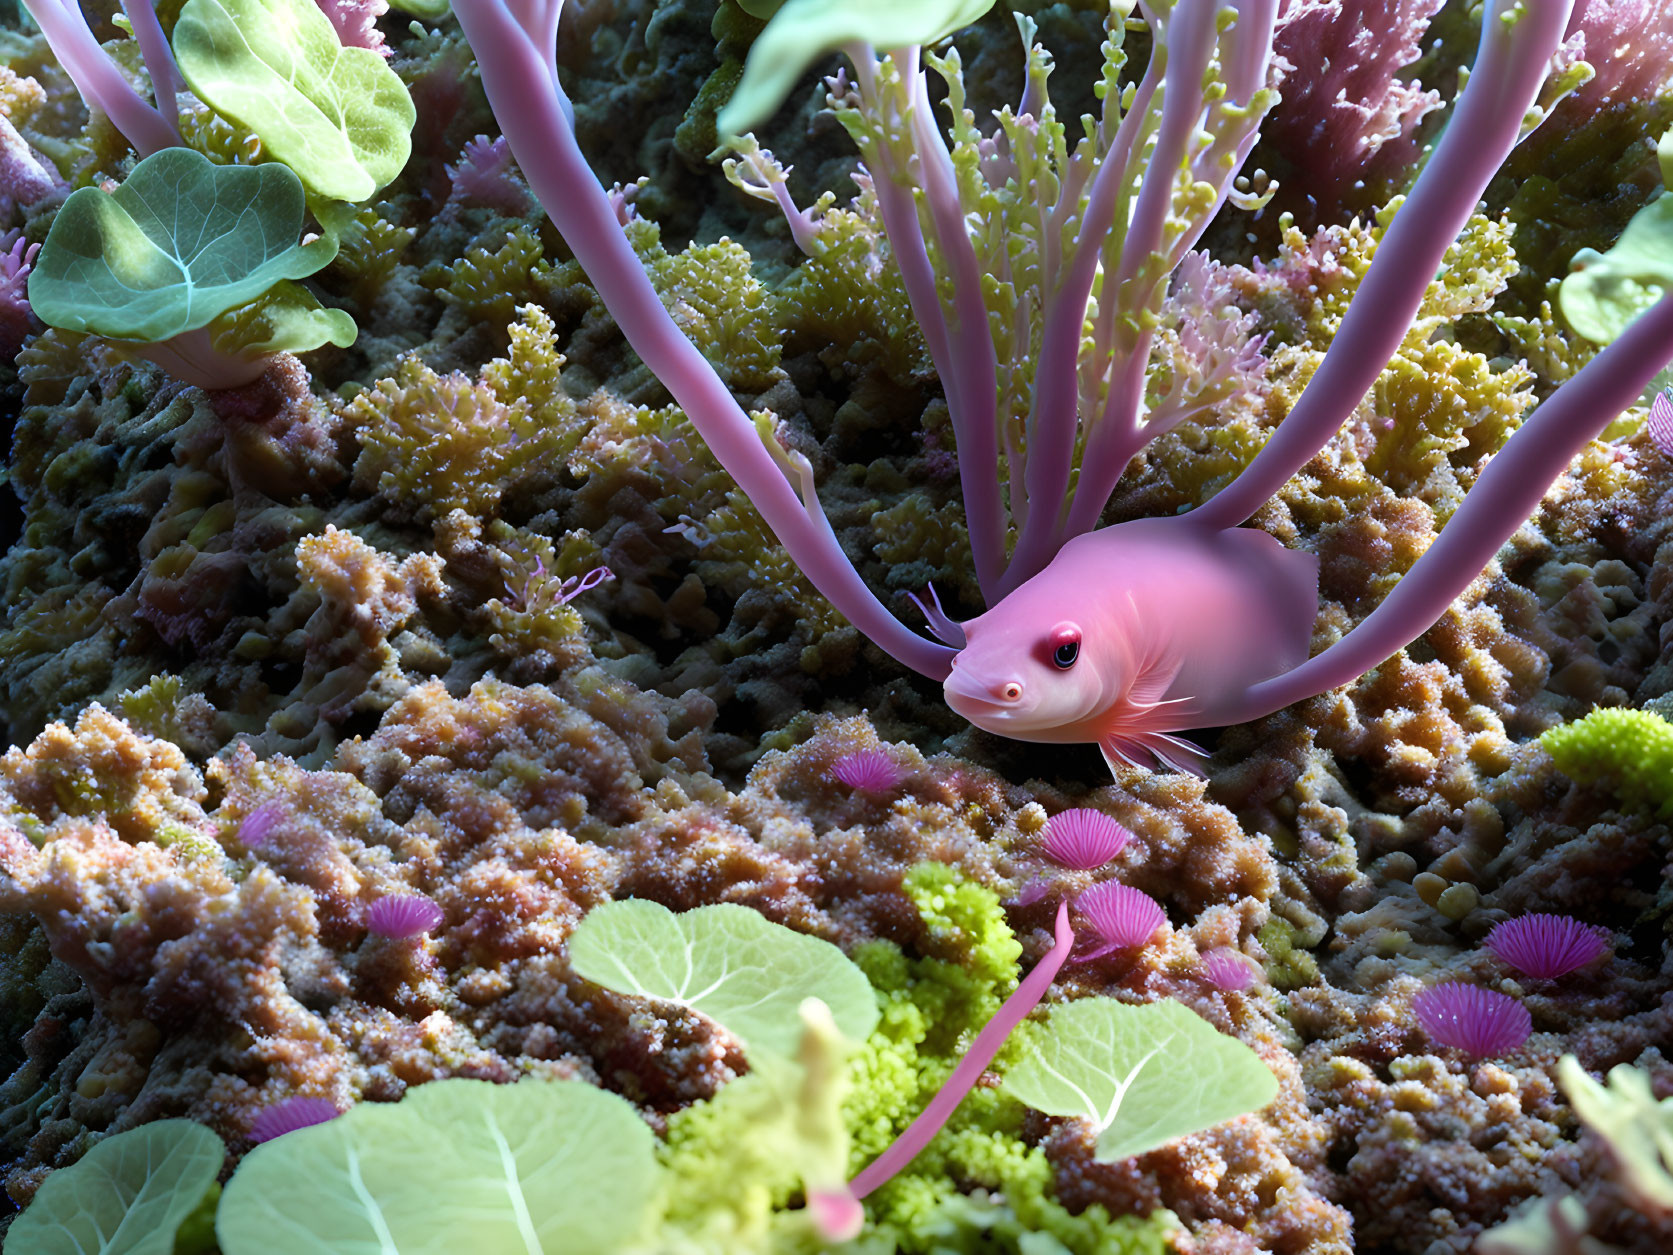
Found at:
<point>290,1115</point>
<point>869,771</point>
<point>403,915</point>
<point>1228,970</point>
<point>17,320</point>
<point>257,828</point>
<point>1083,838</point>
<point>1547,946</point>
<point>485,175</point>
<point>356,23</point>
<point>1661,424</point>
<point>1478,1021</point>
<point>1124,917</point>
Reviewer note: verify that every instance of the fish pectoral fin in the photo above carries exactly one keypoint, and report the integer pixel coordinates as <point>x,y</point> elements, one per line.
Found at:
<point>1149,751</point>
<point>1153,681</point>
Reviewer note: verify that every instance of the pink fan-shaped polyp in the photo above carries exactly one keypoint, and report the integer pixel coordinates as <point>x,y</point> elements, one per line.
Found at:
<point>293,1113</point>
<point>1478,1021</point>
<point>1083,838</point>
<point>1120,914</point>
<point>868,771</point>
<point>1228,970</point>
<point>403,915</point>
<point>1546,946</point>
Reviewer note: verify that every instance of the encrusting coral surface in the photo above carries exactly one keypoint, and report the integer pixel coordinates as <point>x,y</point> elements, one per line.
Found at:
<point>467,620</point>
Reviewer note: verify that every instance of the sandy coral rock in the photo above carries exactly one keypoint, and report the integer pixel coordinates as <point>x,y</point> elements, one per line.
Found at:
<point>143,788</point>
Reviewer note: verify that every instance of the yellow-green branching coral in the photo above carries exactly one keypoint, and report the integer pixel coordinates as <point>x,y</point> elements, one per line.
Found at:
<point>716,301</point>
<point>432,443</point>
<point>978,1186</point>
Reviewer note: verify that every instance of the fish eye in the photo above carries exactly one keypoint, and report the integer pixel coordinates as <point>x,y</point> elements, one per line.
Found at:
<point>1065,645</point>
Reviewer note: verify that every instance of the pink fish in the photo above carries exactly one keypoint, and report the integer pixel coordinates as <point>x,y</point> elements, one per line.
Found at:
<point>1070,656</point>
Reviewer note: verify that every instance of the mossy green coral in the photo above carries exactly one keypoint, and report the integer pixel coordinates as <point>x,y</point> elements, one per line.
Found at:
<point>1629,752</point>
<point>977,1186</point>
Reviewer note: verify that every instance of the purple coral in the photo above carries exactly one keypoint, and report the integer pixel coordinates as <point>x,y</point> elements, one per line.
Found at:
<point>17,320</point>
<point>1124,917</point>
<point>356,22</point>
<point>1478,1021</point>
<point>1345,121</point>
<point>868,771</point>
<point>1228,970</point>
<point>1083,838</point>
<point>293,1113</point>
<point>1547,946</point>
<point>257,827</point>
<point>485,175</point>
<point>403,915</point>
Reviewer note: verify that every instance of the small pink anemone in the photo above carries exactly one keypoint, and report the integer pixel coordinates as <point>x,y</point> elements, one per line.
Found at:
<point>868,771</point>
<point>1122,916</point>
<point>1547,946</point>
<point>257,827</point>
<point>403,915</point>
<point>1478,1021</point>
<point>1083,838</point>
<point>1228,970</point>
<point>1661,424</point>
<point>291,1114</point>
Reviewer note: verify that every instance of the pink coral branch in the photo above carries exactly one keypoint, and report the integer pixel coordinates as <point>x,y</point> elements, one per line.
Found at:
<point>99,81</point>
<point>1508,491</point>
<point>1051,425</point>
<point>922,1131</point>
<point>1518,38</point>
<point>976,368</point>
<point>514,46</point>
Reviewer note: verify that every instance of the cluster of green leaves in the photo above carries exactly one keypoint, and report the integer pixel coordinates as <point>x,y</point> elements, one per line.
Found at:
<point>189,246</point>
<point>560,1164</point>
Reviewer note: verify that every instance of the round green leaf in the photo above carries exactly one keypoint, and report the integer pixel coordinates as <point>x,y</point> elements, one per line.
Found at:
<point>180,243</point>
<point>802,31</point>
<point>455,1166</point>
<point>284,319</point>
<point>126,1196</point>
<point>1143,1075</point>
<point>339,117</point>
<point>1608,290</point>
<point>733,964</point>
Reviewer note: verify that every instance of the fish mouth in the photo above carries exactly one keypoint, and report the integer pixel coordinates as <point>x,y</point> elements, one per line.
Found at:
<point>979,710</point>
<point>971,696</point>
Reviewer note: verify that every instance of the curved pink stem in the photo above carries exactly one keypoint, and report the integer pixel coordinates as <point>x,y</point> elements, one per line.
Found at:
<point>1517,40</point>
<point>516,59</point>
<point>904,1149</point>
<point>1504,495</point>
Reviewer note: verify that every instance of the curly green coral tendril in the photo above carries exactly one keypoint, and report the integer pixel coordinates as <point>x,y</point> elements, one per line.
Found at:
<point>904,1149</point>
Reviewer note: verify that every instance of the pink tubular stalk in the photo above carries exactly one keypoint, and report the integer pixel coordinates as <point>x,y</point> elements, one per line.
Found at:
<point>922,1131</point>
<point>962,351</point>
<point>511,40</point>
<point>1517,40</point>
<point>1507,492</point>
<point>975,420</point>
<point>99,81</point>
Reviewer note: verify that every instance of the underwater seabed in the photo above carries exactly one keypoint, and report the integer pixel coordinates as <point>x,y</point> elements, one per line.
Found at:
<point>441,819</point>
